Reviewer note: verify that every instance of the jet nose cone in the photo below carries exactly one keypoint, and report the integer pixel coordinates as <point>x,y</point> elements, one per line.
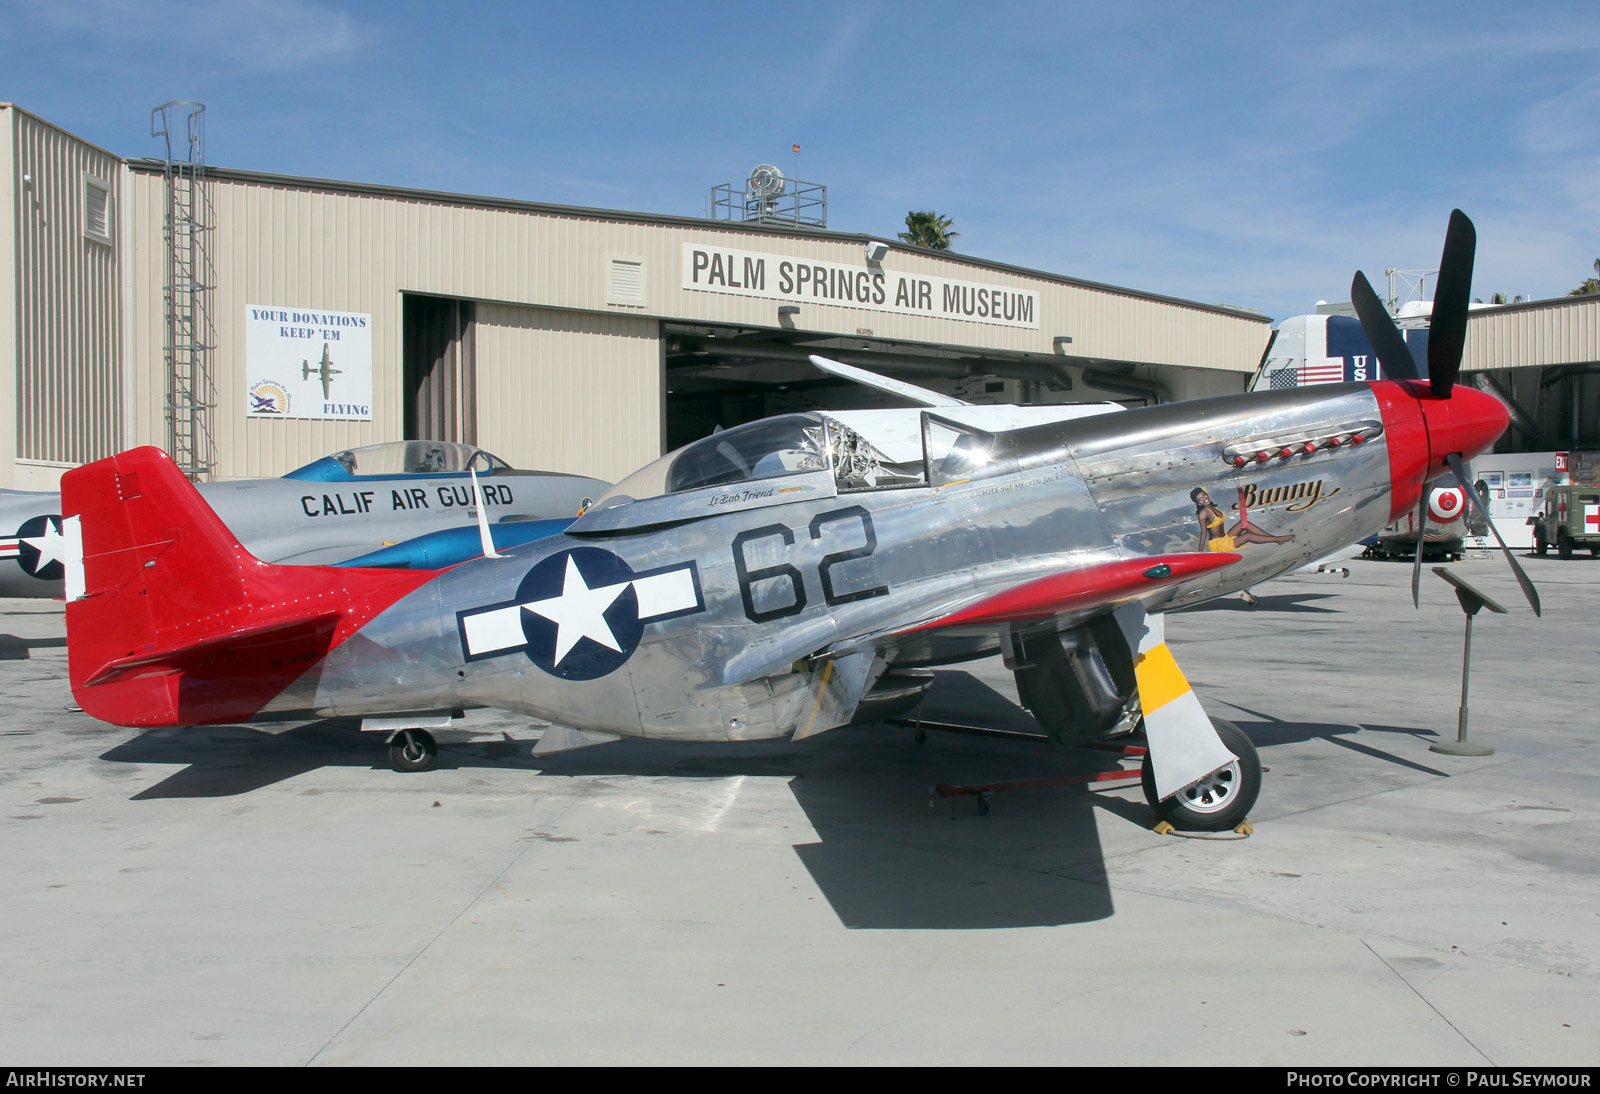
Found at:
<point>1469,422</point>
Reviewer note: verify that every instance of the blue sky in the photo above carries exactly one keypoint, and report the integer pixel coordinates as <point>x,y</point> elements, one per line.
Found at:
<point>1235,153</point>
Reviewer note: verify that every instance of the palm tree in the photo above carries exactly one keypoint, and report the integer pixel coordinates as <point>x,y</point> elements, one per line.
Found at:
<point>929,229</point>
<point>1591,285</point>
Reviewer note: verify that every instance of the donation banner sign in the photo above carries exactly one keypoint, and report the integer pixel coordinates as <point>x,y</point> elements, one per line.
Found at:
<point>304,363</point>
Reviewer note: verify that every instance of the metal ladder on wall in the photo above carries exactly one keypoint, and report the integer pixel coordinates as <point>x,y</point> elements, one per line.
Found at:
<point>191,335</point>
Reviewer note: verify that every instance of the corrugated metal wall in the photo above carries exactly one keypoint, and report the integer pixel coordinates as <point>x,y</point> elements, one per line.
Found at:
<point>567,390</point>
<point>299,244</point>
<point>1545,333</point>
<point>570,376</point>
<point>1534,340</point>
<point>278,246</point>
<point>10,213</point>
<point>67,293</point>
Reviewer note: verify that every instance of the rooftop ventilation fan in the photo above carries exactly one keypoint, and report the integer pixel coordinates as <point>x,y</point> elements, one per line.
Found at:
<point>766,181</point>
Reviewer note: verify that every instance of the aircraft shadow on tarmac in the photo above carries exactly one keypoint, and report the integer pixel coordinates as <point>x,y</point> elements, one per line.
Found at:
<point>1267,731</point>
<point>13,648</point>
<point>223,761</point>
<point>887,853</point>
<point>1286,602</point>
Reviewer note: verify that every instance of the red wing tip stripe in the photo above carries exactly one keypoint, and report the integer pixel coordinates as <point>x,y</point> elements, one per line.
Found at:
<point>1091,587</point>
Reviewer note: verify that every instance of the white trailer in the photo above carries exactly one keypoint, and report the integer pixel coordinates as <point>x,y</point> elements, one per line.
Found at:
<point>1516,482</point>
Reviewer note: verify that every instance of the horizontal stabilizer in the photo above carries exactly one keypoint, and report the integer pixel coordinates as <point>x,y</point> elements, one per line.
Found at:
<point>177,658</point>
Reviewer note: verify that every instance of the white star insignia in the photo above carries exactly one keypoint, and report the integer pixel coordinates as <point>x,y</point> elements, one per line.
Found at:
<point>579,612</point>
<point>50,545</point>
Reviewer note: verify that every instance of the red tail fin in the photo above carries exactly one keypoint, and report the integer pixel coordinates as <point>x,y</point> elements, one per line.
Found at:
<point>180,625</point>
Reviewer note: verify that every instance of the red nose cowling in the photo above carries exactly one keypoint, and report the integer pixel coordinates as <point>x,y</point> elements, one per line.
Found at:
<point>1422,429</point>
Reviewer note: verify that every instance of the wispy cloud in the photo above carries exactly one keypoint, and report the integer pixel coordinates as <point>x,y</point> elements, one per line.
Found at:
<point>1567,122</point>
<point>833,62</point>
<point>1436,43</point>
<point>253,35</point>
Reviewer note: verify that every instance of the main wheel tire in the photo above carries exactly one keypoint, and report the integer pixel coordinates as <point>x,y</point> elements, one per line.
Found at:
<point>1563,544</point>
<point>413,750</point>
<point>1219,801</point>
<point>1541,546</point>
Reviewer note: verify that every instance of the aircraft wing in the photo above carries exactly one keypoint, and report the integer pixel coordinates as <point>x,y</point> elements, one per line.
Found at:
<point>1184,745</point>
<point>910,392</point>
<point>452,546</point>
<point>1073,590</point>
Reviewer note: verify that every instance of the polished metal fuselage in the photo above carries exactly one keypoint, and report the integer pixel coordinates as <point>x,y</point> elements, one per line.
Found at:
<point>765,599</point>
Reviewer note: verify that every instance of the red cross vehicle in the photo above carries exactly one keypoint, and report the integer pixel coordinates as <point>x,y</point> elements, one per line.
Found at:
<point>1569,521</point>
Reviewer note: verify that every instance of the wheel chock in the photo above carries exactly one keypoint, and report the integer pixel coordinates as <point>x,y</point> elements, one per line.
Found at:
<point>1165,828</point>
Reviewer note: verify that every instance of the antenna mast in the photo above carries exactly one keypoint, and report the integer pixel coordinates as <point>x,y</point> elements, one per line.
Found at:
<point>1415,283</point>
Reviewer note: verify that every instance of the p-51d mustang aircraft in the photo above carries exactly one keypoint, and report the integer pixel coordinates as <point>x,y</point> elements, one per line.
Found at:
<point>332,509</point>
<point>774,579</point>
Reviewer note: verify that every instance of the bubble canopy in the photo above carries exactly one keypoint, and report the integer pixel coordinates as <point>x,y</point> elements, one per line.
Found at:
<point>790,444</point>
<point>401,458</point>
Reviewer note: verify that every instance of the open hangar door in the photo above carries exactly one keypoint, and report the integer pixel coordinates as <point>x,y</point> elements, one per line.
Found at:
<point>724,376</point>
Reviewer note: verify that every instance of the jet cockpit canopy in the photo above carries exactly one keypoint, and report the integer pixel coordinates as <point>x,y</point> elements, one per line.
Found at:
<point>402,458</point>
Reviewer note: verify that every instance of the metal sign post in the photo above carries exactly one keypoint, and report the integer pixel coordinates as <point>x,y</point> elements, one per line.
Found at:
<point>1471,601</point>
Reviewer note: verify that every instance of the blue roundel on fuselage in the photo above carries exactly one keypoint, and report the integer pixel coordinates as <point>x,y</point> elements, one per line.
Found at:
<point>580,613</point>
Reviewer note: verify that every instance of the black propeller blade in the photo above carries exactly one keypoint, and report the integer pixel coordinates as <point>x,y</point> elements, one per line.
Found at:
<point>1447,330</point>
<point>1386,340</point>
<point>1416,567</point>
<point>1473,499</point>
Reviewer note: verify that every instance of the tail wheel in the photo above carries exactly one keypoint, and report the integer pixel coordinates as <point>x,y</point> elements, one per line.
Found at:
<point>413,750</point>
<point>1219,801</point>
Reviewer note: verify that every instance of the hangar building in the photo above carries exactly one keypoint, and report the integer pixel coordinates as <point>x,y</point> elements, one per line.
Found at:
<point>561,338</point>
<point>250,322</point>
